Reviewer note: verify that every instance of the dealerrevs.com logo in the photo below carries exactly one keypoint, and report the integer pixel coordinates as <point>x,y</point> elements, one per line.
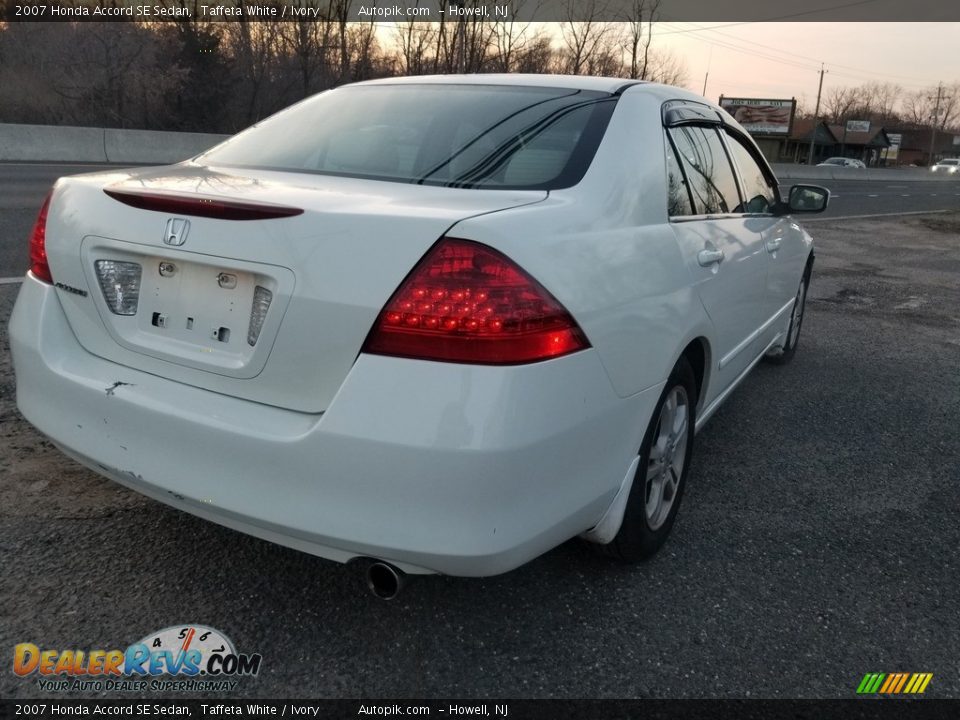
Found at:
<point>188,658</point>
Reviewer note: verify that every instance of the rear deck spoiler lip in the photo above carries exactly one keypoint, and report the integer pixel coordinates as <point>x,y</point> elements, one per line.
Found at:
<point>201,206</point>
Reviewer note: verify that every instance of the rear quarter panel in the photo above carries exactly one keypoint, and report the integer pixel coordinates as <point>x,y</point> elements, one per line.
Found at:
<point>604,248</point>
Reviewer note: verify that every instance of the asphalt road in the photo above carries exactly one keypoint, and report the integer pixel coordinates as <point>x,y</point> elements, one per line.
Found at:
<point>23,186</point>
<point>22,189</point>
<point>818,539</point>
<point>867,197</point>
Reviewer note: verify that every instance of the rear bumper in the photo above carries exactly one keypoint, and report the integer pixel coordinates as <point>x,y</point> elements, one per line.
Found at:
<point>435,467</point>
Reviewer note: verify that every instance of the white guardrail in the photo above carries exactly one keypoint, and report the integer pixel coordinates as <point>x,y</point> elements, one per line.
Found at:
<point>48,143</point>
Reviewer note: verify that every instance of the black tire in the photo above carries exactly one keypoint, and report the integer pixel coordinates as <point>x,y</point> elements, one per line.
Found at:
<point>641,536</point>
<point>786,353</point>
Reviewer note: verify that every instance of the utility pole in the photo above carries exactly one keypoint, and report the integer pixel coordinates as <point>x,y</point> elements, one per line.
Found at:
<point>816,115</point>
<point>707,74</point>
<point>936,118</point>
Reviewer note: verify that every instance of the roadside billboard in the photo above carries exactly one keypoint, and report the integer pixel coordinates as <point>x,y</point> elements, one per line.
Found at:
<point>761,117</point>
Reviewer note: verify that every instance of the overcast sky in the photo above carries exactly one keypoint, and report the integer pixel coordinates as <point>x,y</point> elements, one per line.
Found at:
<point>782,60</point>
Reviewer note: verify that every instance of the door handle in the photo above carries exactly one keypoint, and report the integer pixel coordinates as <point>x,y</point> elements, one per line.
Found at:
<point>773,244</point>
<point>706,258</point>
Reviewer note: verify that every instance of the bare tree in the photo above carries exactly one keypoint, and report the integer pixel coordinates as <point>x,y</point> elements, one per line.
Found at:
<point>639,36</point>
<point>309,42</point>
<point>463,44</point>
<point>920,107</point>
<point>511,38</point>
<point>538,57</point>
<point>880,100</point>
<point>837,103</point>
<point>583,38</point>
<point>414,39</point>
<point>364,50</point>
<point>666,67</point>
<point>256,47</point>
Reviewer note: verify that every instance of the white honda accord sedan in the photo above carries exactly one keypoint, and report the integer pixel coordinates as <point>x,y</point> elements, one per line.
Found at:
<point>439,324</point>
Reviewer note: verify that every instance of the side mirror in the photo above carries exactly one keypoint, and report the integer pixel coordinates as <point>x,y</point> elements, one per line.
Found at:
<point>805,199</point>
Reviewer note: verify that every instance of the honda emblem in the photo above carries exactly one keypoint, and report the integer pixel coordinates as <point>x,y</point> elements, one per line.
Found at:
<point>176,232</point>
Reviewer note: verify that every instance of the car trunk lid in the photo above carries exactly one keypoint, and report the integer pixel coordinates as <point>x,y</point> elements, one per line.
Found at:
<point>256,284</point>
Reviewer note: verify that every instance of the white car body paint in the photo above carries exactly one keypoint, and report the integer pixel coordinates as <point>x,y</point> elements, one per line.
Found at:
<point>432,466</point>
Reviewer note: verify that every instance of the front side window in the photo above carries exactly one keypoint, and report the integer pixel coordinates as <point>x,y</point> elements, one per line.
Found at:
<point>707,169</point>
<point>757,188</point>
<point>458,135</point>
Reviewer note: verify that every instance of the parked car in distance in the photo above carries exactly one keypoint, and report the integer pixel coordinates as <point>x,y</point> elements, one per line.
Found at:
<point>434,324</point>
<point>842,162</point>
<point>948,166</point>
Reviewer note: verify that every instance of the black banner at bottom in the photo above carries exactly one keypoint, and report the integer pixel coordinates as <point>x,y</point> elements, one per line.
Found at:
<point>866,709</point>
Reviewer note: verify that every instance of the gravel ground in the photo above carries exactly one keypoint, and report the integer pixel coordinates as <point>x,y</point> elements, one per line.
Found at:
<point>818,539</point>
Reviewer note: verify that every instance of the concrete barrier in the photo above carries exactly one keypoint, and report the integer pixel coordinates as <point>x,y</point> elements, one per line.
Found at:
<point>148,146</point>
<point>41,143</point>
<point>803,172</point>
<point>48,143</point>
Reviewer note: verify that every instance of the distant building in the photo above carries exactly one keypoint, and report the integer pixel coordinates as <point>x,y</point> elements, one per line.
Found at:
<point>833,141</point>
<point>915,146</point>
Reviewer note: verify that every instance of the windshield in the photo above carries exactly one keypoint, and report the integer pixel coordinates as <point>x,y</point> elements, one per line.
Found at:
<point>487,136</point>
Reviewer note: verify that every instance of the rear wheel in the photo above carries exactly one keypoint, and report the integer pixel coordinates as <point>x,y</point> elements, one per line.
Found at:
<point>786,353</point>
<point>661,474</point>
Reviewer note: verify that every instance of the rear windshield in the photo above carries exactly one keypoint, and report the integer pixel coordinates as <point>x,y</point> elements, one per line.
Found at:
<point>485,136</point>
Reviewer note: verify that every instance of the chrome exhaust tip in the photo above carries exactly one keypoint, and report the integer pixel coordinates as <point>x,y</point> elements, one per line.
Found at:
<point>383,579</point>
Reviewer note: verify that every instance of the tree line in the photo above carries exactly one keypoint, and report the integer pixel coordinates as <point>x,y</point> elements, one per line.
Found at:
<point>203,76</point>
<point>887,104</point>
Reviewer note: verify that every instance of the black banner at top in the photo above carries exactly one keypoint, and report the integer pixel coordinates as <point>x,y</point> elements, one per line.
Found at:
<point>491,709</point>
<point>380,11</point>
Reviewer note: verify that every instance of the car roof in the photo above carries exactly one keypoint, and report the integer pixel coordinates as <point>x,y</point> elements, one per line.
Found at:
<point>578,82</point>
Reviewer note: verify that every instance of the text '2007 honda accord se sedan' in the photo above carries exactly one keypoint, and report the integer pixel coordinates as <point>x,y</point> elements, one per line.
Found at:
<point>439,324</point>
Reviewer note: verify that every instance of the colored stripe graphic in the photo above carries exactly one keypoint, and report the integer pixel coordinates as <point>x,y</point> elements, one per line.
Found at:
<point>894,683</point>
<point>901,682</point>
<point>891,678</point>
<point>914,683</point>
<point>870,683</point>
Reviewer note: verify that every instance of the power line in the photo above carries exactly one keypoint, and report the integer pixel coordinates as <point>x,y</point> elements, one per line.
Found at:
<point>755,53</point>
<point>788,61</point>
<point>731,46</point>
<point>785,17</point>
<point>805,57</point>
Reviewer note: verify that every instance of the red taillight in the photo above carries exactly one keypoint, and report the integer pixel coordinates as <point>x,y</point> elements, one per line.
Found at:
<point>202,207</point>
<point>465,302</point>
<point>38,244</point>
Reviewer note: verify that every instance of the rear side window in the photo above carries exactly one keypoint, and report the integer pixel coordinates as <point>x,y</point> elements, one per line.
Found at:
<point>487,136</point>
<point>707,170</point>
<point>757,188</point>
<point>678,195</point>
